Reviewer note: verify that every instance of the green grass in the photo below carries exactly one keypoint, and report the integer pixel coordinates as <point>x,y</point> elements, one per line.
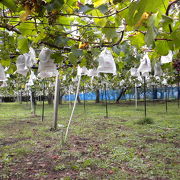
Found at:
<point>123,146</point>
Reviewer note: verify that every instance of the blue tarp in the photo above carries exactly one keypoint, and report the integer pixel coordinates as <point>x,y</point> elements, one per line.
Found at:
<point>172,93</point>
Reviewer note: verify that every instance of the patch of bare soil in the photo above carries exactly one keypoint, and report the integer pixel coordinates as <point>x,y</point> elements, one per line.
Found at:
<point>10,141</point>
<point>41,164</point>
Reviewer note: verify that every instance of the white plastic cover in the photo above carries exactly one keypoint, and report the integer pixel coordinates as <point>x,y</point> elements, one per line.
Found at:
<point>30,82</point>
<point>106,62</point>
<point>157,78</point>
<point>93,72</point>
<point>157,69</point>
<point>82,71</point>
<point>32,55</point>
<point>2,74</point>
<point>167,59</point>
<point>32,78</point>
<point>145,66</point>
<point>121,83</point>
<point>164,82</point>
<point>4,84</point>
<point>134,72</point>
<point>75,79</point>
<point>22,65</point>
<point>64,78</point>
<point>46,68</point>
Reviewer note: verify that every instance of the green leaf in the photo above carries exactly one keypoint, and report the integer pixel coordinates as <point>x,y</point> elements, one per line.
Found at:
<point>86,8</point>
<point>151,32</point>
<point>27,29</point>
<point>6,62</point>
<point>117,1</point>
<point>65,20</point>
<point>137,8</point>
<point>77,52</point>
<point>22,44</point>
<point>137,40</point>
<point>103,8</point>
<point>9,4</point>
<point>57,57</point>
<point>109,32</point>
<point>60,41</point>
<point>176,38</point>
<point>162,47</point>
<point>150,36</point>
<point>100,22</point>
<point>72,58</point>
<point>167,19</point>
<point>55,4</point>
<point>116,50</point>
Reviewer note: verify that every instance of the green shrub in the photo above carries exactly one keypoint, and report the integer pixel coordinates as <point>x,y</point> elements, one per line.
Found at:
<point>145,121</point>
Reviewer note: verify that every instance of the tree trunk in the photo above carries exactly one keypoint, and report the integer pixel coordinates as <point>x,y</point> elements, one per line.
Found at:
<point>61,98</point>
<point>154,92</point>
<point>78,99</point>
<point>33,102</point>
<point>97,96</point>
<point>121,94</point>
<point>50,98</point>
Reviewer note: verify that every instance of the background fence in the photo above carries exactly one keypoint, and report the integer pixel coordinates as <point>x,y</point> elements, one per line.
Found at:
<point>112,95</point>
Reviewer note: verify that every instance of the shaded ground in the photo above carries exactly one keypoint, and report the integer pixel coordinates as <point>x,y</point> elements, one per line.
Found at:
<point>97,147</point>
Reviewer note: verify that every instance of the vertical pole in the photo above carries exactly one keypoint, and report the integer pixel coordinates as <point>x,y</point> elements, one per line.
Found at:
<point>106,100</point>
<point>33,108</point>
<point>84,98</point>
<point>153,93</point>
<point>27,95</point>
<point>166,97</point>
<point>145,96</point>
<point>178,89</point>
<point>135,96</point>
<point>42,118</point>
<point>21,96</point>
<point>56,102</point>
<point>69,97</point>
<point>77,92</point>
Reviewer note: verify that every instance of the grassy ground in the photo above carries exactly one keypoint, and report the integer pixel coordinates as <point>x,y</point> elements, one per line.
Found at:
<point>118,147</point>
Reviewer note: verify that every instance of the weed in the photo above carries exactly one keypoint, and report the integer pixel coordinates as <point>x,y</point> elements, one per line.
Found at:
<point>145,121</point>
<point>59,167</point>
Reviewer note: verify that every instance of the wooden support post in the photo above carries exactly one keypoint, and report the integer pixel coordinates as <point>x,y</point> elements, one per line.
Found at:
<point>166,98</point>
<point>33,103</point>
<point>56,102</point>
<point>84,98</point>
<point>106,100</point>
<point>145,113</point>
<point>136,104</point>
<point>178,89</point>
<point>42,117</point>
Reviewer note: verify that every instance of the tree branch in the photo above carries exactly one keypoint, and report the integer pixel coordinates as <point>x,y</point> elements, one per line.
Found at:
<point>68,49</point>
<point>10,28</point>
<point>162,39</point>
<point>77,15</point>
<point>167,12</point>
<point>111,45</point>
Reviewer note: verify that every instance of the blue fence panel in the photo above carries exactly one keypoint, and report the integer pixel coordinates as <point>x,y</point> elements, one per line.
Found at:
<point>112,95</point>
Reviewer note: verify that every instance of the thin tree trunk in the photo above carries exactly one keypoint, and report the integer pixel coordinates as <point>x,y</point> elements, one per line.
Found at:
<point>154,92</point>
<point>56,102</point>
<point>61,98</point>
<point>97,96</point>
<point>121,94</point>
<point>50,98</point>
<point>78,99</point>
